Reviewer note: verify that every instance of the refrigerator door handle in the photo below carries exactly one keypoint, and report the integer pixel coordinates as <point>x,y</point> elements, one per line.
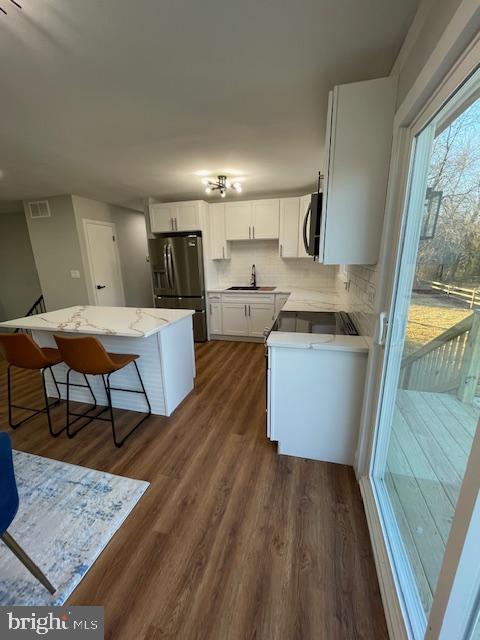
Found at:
<point>165,264</point>
<point>170,266</point>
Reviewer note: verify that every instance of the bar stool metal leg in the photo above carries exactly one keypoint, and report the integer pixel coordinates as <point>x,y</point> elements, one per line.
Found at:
<point>108,391</point>
<point>34,412</point>
<point>85,414</point>
<point>53,433</point>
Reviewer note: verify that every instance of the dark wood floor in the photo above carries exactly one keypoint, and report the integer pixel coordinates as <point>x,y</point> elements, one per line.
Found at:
<point>231,541</point>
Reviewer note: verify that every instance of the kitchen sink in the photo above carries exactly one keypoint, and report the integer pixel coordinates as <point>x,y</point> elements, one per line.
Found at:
<point>243,288</point>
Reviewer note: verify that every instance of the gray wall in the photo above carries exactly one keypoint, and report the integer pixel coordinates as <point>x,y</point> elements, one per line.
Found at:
<point>56,249</point>
<point>133,249</point>
<point>432,18</point>
<point>132,246</point>
<point>19,283</point>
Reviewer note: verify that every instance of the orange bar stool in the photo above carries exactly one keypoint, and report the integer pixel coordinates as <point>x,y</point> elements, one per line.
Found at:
<point>20,350</point>
<point>88,356</point>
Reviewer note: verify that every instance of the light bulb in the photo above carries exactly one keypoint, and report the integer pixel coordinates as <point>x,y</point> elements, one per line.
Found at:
<point>222,193</point>
<point>228,184</point>
<point>208,190</point>
<point>237,186</point>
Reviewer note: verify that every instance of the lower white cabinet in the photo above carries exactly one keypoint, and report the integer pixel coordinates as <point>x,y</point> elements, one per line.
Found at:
<point>314,401</point>
<point>240,315</point>
<point>260,318</point>
<point>235,319</point>
<point>215,316</point>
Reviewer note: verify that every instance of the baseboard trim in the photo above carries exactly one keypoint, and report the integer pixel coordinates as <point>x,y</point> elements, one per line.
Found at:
<point>397,629</point>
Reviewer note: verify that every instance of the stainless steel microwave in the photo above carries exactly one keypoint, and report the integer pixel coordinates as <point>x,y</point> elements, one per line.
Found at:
<point>312,224</point>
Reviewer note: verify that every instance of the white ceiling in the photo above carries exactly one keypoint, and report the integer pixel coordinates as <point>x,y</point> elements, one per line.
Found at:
<point>118,99</point>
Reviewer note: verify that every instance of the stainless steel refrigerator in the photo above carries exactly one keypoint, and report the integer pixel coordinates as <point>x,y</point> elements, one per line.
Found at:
<point>178,278</point>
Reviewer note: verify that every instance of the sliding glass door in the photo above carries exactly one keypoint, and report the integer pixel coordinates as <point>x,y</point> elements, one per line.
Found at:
<point>430,406</point>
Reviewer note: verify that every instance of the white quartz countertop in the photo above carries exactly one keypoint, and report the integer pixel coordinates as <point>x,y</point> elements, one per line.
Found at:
<point>325,299</point>
<point>129,322</point>
<point>317,341</point>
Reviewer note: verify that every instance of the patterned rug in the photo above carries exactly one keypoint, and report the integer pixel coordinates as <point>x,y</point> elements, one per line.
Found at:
<point>67,516</point>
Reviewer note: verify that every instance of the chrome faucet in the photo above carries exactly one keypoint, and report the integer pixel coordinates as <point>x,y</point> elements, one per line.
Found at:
<point>253,277</point>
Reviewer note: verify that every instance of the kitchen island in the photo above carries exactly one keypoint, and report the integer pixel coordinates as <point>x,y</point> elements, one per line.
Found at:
<point>163,338</point>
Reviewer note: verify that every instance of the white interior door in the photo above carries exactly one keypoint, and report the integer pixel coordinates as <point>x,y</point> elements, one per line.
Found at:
<point>104,264</point>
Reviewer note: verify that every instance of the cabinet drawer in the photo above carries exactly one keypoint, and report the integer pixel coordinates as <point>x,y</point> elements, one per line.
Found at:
<point>249,298</point>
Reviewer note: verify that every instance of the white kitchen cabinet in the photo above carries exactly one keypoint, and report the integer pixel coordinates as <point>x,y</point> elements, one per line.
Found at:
<point>176,216</point>
<point>235,318</point>
<point>310,413</point>
<point>288,238</point>
<point>358,145</point>
<point>260,318</point>
<point>238,220</point>
<point>187,216</point>
<point>219,248</point>
<point>161,217</point>
<point>240,314</point>
<point>253,220</point>
<point>304,204</point>
<point>215,316</point>
<point>265,219</point>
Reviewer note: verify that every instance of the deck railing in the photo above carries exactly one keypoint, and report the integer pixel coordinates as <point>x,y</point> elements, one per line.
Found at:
<point>448,363</point>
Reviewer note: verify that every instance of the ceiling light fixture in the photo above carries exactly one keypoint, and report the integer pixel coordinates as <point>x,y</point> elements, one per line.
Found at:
<point>221,184</point>
<point>13,2</point>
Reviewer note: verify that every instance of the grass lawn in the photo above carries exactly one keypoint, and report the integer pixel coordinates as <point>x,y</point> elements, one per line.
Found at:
<point>429,316</point>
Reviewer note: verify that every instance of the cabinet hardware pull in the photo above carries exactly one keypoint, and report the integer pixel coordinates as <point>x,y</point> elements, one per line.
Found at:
<point>249,310</point>
<point>210,308</point>
<point>253,228</point>
<point>245,309</point>
<point>172,223</point>
<point>176,225</point>
<point>249,233</point>
<point>281,250</point>
<point>223,252</point>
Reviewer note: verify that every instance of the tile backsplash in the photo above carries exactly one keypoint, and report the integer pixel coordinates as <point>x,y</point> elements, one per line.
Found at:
<point>363,288</point>
<point>270,268</point>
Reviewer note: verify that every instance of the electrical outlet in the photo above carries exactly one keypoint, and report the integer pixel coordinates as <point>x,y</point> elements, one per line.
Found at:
<point>74,273</point>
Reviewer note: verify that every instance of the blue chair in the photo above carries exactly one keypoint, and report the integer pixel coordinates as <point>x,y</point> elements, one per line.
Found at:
<point>9,507</point>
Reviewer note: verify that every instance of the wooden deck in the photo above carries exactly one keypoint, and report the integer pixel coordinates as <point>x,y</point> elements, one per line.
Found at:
<point>430,443</point>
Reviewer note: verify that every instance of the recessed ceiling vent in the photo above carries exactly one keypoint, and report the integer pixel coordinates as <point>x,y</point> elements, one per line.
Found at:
<point>39,209</point>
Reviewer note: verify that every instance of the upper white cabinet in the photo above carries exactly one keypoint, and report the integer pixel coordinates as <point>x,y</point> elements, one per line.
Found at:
<point>238,220</point>
<point>176,216</point>
<point>254,220</point>
<point>265,221</point>
<point>161,217</point>
<point>187,216</point>
<point>219,248</point>
<point>290,244</point>
<point>358,146</point>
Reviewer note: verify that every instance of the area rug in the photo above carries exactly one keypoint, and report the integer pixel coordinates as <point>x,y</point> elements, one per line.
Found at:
<point>67,516</point>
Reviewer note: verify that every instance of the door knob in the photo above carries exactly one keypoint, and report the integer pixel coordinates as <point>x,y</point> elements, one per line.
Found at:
<point>101,286</point>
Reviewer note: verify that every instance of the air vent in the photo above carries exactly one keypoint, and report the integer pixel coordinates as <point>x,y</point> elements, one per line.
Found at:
<point>39,209</point>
